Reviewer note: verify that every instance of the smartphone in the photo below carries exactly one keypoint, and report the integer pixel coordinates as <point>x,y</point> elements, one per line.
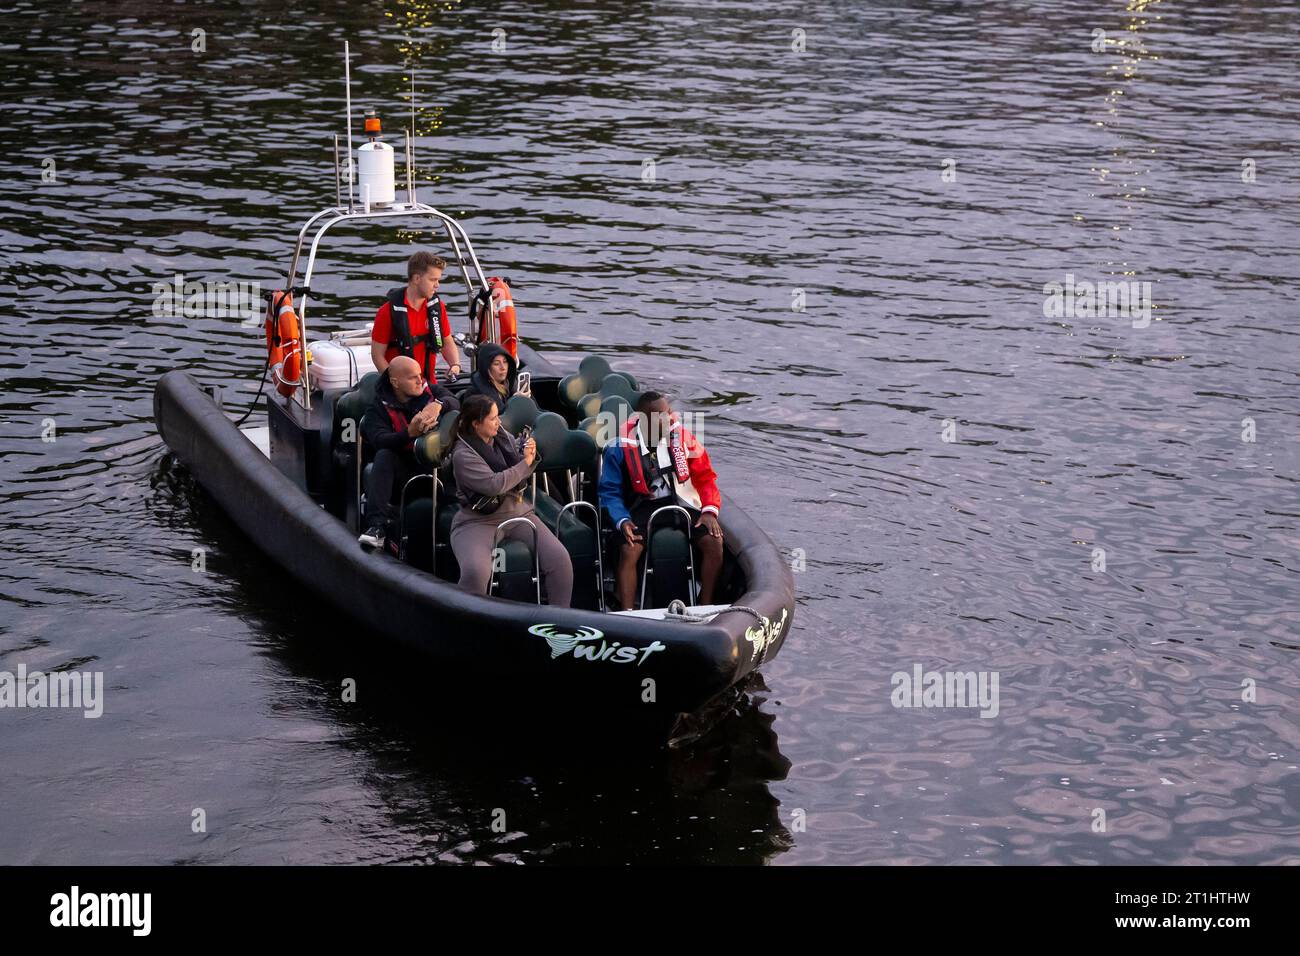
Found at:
<point>525,433</point>
<point>525,381</point>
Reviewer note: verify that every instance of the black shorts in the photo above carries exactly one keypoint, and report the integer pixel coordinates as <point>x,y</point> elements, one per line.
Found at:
<point>642,510</point>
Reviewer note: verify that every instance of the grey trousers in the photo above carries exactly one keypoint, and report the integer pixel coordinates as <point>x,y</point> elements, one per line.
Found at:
<point>471,540</point>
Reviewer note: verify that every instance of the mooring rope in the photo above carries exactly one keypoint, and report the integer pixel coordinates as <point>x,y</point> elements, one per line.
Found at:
<point>692,616</point>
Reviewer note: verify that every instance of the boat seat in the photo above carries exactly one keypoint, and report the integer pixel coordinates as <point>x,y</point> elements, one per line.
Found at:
<point>354,404</point>
<point>604,426</point>
<point>614,383</point>
<point>515,582</point>
<point>582,540</point>
<point>418,537</point>
<point>571,452</point>
<point>347,452</point>
<point>666,570</point>
<point>668,561</point>
<point>520,411</point>
<point>591,373</point>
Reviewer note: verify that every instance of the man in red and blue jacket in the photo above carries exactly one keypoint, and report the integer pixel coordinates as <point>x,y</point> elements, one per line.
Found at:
<point>657,462</point>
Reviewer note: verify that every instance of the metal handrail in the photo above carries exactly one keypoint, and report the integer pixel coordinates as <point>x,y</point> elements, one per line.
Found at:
<point>600,561</point>
<point>361,518</point>
<point>395,211</point>
<point>537,561</point>
<point>401,513</point>
<point>649,549</point>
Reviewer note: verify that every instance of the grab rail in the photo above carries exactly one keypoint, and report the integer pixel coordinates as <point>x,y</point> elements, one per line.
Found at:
<point>649,550</point>
<point>600,561</point>
<point>537,561</point>
<point>401,512</point>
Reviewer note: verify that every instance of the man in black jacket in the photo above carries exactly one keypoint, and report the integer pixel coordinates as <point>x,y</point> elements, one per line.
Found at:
<point>405,407</point>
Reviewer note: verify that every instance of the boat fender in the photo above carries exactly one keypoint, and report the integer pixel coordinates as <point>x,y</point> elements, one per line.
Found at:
<point>283,345</point>
<point>506,320</point>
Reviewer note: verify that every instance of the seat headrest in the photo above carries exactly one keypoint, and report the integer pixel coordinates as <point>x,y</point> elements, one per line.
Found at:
<point>355,403</point>
<point>615,383</point>
<point>431,449</point>
<point>593,370</point>
<point>520,411</point>
<point>575,449</point>
<point>548,431</point>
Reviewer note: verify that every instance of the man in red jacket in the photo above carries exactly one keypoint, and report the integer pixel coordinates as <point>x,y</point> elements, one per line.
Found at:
<point>658,462</point>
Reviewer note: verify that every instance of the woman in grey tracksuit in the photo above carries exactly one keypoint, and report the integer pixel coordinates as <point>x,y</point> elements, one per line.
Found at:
<point>489,466</point>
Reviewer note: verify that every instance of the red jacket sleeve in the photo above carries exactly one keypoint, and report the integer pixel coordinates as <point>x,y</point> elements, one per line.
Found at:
<point>383,330</point>
<point>703,477</point>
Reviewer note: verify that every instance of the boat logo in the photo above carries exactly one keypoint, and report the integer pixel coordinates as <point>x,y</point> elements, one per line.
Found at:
<point>563,642</point>
<point>766,633</point>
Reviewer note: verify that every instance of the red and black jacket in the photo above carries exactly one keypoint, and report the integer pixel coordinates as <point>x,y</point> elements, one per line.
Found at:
<point>385,422</point>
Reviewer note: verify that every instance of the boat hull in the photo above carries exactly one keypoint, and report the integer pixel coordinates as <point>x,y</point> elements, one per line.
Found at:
<point>647,669</point>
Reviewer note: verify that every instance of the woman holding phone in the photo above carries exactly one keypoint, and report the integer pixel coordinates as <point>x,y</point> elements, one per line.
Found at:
<point>492,473</point>
<point>497,375</point>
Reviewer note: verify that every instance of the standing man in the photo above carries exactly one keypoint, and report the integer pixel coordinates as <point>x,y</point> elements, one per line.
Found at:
<point>402,325</point>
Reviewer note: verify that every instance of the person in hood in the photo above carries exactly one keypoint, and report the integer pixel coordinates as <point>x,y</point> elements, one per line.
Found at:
<point>496,375</point>
<point>657,462</point>
<point>405,407</point>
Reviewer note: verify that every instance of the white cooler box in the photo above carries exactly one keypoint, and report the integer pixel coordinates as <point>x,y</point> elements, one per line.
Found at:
<point>340,364</point>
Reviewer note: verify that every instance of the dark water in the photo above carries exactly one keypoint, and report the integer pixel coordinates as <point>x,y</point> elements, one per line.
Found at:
<point>775,171</point>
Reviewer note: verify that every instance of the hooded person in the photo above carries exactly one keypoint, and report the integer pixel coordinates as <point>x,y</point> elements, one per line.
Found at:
<point>405,407</point>
<point>496,374</point>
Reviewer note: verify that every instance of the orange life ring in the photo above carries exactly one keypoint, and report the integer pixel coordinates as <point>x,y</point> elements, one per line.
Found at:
<point>283,349</point>
<point>506,321</point>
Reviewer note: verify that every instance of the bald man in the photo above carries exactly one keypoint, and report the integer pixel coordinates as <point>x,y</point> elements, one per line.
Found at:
<point>405,407</point>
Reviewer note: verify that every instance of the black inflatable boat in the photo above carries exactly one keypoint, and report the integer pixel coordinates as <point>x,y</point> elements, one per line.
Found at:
<point>294,485</point>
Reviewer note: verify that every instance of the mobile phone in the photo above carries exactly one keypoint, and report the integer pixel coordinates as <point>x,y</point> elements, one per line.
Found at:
<point>524,381</point>
<point>525,433</point>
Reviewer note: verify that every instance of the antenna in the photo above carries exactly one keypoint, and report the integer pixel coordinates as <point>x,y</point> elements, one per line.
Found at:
<point>338,189</point>
<point>410,147</point>
<point>347,83</point>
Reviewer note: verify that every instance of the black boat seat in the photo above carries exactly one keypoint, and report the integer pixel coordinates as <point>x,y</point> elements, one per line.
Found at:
<point>667,566</point>
<point>347,453</point>
<point>432,454</point>
<point>520,411</point>
<point>431,450</point>
<point>615,383</point>
<point>514,583</point>
<point>582,541</point>
<point>570,456</point>
<point>591,373</point>
<point>354,404</point>
<point>604,426</point>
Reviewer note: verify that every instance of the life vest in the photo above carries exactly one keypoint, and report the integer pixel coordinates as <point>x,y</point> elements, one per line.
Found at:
<point>507,324</point>
<point>400,324</point>
<point>636,459</point>
<point>687,464</point>
<point>283,348</point>
<point>401,421</point>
